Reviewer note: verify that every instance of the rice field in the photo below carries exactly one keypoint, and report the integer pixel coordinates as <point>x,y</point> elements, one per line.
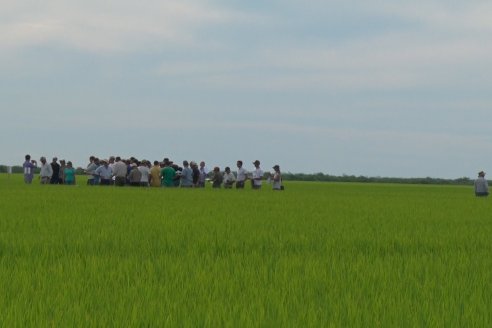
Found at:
<point>315,255</point>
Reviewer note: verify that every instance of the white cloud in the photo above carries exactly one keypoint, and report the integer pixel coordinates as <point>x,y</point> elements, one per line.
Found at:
<point>392,61</point>
<point>112,26</point>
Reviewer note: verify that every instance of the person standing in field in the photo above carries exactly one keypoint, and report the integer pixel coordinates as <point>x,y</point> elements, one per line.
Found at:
<point>104,173</point>
<point>145,171</point>
<point>55,177</point>
<point>168,174</point>
<point>46,171</point>
<point>69,174</point>
<point>257,175</point>
<point>111,164</point>
<point>119,172</point>
<point>61,176</point>
<point>203,175</point>
<point>195,174</point>
<point>217,178</point>
<point>277,178</point>
<point>186,176</point>
<point>29,167</point>
<point>229,178</point>
<point>91,167</point>
<point>481,185</point>
<point>134,176</point>
<point>242,175</point>
<point>96,177</point>
<point>155,175</point>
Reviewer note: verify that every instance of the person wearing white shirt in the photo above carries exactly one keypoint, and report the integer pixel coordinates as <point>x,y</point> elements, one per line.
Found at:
<point>481,185</point>
<point>144,169</point>
<point>228,178</point>
<point>119,171</point>
<point>277,178</point>
<point>203,175</point>
<point>242,175</point>
<point>46,171</point>
<point>257,175</point>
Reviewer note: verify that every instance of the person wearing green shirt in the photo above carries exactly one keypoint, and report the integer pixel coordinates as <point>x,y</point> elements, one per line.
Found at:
<point>168,174</point>
<point>69,173</point>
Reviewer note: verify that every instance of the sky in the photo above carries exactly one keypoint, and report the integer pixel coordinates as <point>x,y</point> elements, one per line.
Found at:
<point>373,88</point>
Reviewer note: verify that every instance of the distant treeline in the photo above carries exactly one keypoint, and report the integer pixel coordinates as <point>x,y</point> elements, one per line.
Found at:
<point>324,178</point>
<point>364,179</point>
<point>20,169</point>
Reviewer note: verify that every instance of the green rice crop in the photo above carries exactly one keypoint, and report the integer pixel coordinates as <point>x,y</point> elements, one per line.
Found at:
<point>316,255</point>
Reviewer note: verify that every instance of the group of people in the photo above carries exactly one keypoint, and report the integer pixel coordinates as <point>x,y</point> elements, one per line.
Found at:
<point>50,173</point>
<point>122,172</point>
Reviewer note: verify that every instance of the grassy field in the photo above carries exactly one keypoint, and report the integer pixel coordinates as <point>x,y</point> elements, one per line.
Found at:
<point>320,255</point>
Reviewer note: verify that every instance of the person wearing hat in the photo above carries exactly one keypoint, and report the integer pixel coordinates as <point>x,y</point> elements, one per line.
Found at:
<point>277,178</point>
<point>135,175</point>
<point>481,185</point>
<point>257,176</point>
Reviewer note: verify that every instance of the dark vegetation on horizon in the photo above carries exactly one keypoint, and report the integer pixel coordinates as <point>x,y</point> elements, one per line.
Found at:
<point>322,177</point>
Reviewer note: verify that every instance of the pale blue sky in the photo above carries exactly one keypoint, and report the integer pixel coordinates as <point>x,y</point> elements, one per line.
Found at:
<point>378,88</point>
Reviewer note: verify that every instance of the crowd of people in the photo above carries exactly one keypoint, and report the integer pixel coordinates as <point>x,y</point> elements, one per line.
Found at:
<point>116,171</point>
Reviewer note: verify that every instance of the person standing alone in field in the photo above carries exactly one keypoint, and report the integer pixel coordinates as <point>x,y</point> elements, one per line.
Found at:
<point>29,167</point>
<point>481,185</point>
